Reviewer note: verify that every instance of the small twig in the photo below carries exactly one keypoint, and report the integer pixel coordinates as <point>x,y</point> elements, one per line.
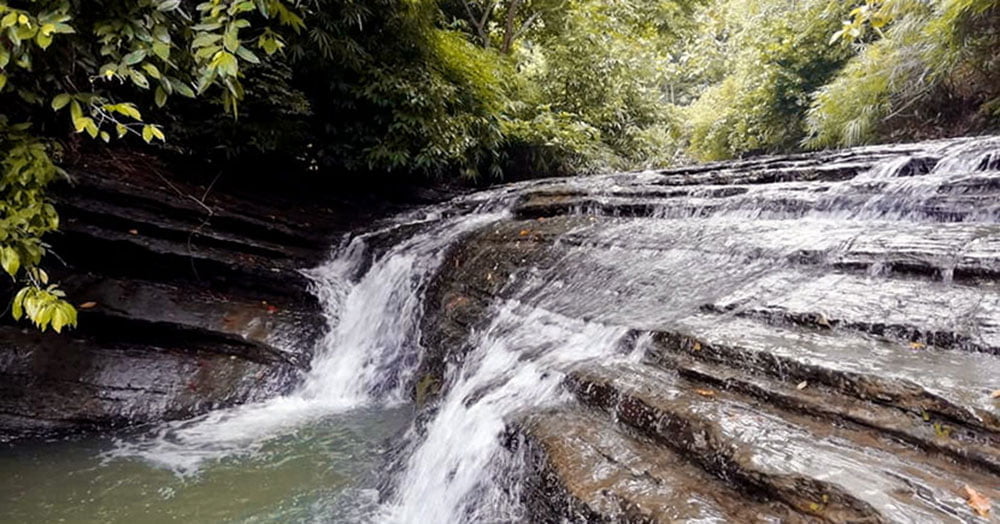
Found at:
<point>197,230</point>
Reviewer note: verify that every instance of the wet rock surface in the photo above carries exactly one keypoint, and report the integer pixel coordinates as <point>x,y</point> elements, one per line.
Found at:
<point>191,297</point>
<point>816,338</point>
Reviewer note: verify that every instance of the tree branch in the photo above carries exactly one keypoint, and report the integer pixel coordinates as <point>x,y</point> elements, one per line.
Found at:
<point>508,33</point>
<point>527,25</point>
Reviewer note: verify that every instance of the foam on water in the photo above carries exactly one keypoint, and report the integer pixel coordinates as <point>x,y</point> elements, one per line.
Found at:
<point>448,471</point>
<point>362,359</point>
<point>518,362</point>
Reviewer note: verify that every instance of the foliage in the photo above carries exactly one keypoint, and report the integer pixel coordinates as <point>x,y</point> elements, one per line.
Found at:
<point>25,171</point>
<point>424,100</point>
<point>84,61</point>
<point>602,65</point>
<point>763,60</point>
<point>922,53</point>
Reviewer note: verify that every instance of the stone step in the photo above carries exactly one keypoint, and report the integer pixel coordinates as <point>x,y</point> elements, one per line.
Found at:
<point>192,230</point>
<point>133,254</point>
<point>835,472</point>
<point>72,382</point>
<point>858,159</point>
<point>584,469</point>
<point>936,250</point>
<point>945,200</point>
<point>177,200</point>
<point>924,313</point>
<point>927,430</point>
<point>953,385</point>
<point>267,326</point>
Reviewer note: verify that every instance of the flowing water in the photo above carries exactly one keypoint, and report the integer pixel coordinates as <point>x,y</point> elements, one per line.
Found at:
<point>344,446</point>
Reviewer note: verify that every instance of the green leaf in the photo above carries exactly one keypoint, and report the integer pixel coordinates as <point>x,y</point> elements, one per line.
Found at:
<point>225,63</point>
<point>17,307</point>
<point>44,40</point>
<point>205,39</point>
<point>160,97</point>
<point>168,5</point>
<point>231,40</point>
<point>182,88</point>
<point>44,316</point>
<point>149,132</point>
<point>60,101</point>
<point>127,109</point>
<point>162,50</point>
<point>3,81</point>
<point>151,70</point>
<point>138,79</point>
<point>247,55</point>
<point>269,44</point>
<point>135,57</point>
<point>59,318</point>
<point>10,260</point>
<point>75,111</point>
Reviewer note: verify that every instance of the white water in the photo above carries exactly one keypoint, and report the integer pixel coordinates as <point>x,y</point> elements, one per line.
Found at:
<point>373,334</point>
<point>450,472</point>
<point>518,362</point>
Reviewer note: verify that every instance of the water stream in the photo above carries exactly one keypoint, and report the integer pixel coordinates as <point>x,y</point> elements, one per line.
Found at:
<point>322,453</point>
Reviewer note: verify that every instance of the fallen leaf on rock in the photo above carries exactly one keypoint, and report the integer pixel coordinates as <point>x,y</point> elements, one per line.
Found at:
<point>133,231</point>
<point>995,394</point>
<point>87,305</point>
<point>802,385</point>
<point>917,345</point>
<point>705,392</point>
<point>978,503</point>
<point>696,346</point>
<point>525,232</point>
<point>457,301</point>
<point>942,430</point>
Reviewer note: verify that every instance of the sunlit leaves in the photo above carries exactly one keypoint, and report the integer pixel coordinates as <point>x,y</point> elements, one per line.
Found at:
<point>26,169</point>
<point>44,307</point>
<point>151,132</point>
<point>10,260</point>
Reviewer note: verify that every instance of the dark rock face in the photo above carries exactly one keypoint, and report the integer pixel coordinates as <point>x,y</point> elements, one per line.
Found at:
<point>200,302</point>
<point>815,341</point>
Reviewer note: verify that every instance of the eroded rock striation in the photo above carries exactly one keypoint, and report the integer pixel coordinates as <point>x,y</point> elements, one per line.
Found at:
<point>811,338</point>
<point>192,297</point>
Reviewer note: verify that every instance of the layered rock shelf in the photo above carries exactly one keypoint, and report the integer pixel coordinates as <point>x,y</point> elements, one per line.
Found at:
<point>191,297</point>
<point>812,338</point>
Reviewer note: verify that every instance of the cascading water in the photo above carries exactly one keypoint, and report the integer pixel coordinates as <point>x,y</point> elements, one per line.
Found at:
<point>518,363</point>
<point>710,243</point>
<point>372,336</point>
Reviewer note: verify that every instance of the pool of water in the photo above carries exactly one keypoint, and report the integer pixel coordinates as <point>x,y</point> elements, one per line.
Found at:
<point>325,470</point>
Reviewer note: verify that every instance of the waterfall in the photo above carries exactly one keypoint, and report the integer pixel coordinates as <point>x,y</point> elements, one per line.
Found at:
<point>517,363</point>
<point>370,345</point>
<point>454,467</point>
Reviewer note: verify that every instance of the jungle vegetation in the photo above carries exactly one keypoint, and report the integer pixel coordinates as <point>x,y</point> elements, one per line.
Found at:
<point>487,89</point>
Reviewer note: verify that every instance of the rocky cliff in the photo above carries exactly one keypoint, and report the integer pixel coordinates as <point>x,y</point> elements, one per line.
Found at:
<point>191,297</point>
